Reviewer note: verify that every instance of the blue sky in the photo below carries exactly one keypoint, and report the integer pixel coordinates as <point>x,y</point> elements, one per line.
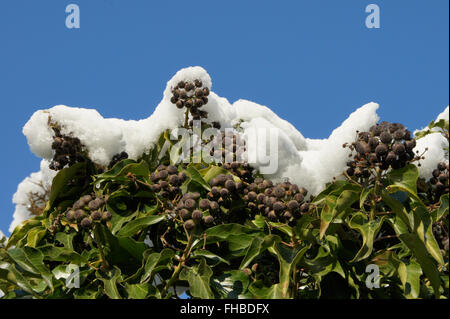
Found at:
<point>313,62</point>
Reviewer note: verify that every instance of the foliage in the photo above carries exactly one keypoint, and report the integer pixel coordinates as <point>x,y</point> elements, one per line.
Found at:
<point>146,251</point>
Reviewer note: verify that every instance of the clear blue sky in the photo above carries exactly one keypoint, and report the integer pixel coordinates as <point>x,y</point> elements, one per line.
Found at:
<point>313,62</point>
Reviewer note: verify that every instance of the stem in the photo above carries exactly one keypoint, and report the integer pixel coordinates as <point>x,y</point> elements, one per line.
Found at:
<point>294,284</point>
<point>105,264</point>
<point>178,268</point>
<point>186,118</point>
<point>375,195</point>
<point>351,180</point>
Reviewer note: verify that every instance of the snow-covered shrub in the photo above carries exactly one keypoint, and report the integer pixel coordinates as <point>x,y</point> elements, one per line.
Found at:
<point>109,187</point>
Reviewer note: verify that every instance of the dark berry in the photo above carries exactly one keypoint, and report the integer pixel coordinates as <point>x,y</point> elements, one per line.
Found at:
<point>189,224</point>
<point>197,215</point>
<point>86,222</point>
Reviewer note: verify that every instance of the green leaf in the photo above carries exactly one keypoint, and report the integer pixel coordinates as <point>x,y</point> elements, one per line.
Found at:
<point>335,189</point>
<point>65,239</point>
<point>11,274</point>
<point>288,259</point>
<point>31,260</point>
<point>404,179</point>
<point>110,281</point>
<point>136,225</point>
<point>368,230</point>
<point>212,172</point>
<point>124,252</point>
<point>137,291</point>
<point>231,284</point>
<point>21,231</point>
<point>259,291</point>
<point>336,207</point>
<point>194,175</point>
<point>420,252</point>
<point>156,262</point>
<point>257,247</point>
<point>35,236</point>
<point>443,209</point>
<point>364,194</point>
<point>119,172</point>
<point>410,278</point>
<point>76,175</point>
<point>203,253</point>
<point>397,208</point>
<point>63,254</point>
<point>199,277</point>
<point>323,263</point>
<point>223,232</point>
<point>423,227</point>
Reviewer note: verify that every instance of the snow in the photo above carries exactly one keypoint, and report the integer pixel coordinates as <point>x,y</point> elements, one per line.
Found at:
<point>325,159</point>
<point>36,183</point>
<point>435,153</point>
<point>444,115</point>
<point>308,162</point>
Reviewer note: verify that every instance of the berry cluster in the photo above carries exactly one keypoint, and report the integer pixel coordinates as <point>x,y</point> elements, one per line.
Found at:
<point>440,180</point>
<point>385,145</point>
<point>283,202</point>
<point>167,181</point>
<point>232,147</point>
<point>194,210</point>
<point>242,170</point>
<point>68,151</point>
<point>441,234</point>
<point>117,158</point>
<point>87,210</point>
<point>191,96</point>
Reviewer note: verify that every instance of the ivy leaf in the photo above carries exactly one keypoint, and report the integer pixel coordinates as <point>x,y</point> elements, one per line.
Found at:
<point>136,225</point>
<point>212,171</point>
<point>198,277</point>
<point>404,179</point>
<point>257,247</point>
<point>31,260</point>
<point>397,208</point>
<point>231,284</point>
<point>410,277</point>
<point>110,281</point>
<point>288,259</point>
<point>10,273</point>
<point>119,172</point>
<point>259,291</point>
<point>124,252</point>
<point>156,262</point>
<point>335,207</point>
<point>423,227</point>
<point>368,230</point>
<point>69,181</point>
<point>35,236</point>
<point>137,291</point>
<point>443,209</point>
<point>21,231</point>
<point>194,176</point>
<point>203,253</point>
<point>420,252</point>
